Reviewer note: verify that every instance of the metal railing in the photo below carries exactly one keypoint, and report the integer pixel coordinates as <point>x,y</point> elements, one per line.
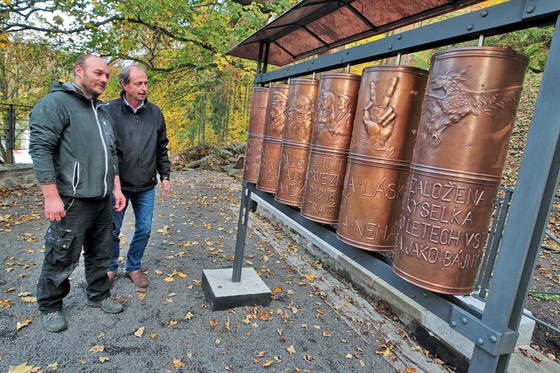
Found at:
<point>14,133</point>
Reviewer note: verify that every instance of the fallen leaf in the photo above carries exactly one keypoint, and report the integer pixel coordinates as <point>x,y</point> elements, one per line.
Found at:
<point>267,363</point>
<point>23,324</point>
<point>153,336</point>
<point>97,348</point>
<point>309,276</point>
<point>326,333</point>
<point>188,316</point>
<point>142,295</point>
<point>349,356</point>
<point>291,350</point>
<point>228,324</point>
<point>53,367</point>
<point>277,290</point>
<point>103,359</point>
<point>5,303</point>
<point>140,331</point>
<point>177,363</point>
<point>213,323</point>
<point>172,322</point>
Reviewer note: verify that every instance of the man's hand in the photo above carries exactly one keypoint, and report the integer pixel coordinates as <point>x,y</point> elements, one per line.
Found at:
<point>54,207</point>
<point>167,188</point>
<point>120,200</point>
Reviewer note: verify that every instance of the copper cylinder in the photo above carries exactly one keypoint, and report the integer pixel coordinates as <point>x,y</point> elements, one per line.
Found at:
<point>330,142</point>
<point>467,119</point>
<point>387,116</point>
<point>295,144</point>
<point>255,135</point>
<point>273,134</point>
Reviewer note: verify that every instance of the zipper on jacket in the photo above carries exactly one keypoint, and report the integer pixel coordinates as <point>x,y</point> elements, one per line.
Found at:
<point>104,147</point>
<point>75,176</point>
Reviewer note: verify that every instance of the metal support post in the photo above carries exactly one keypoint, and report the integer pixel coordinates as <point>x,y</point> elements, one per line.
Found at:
<point>528,216</point>
<point>241,232</point>
<point>11,135</point>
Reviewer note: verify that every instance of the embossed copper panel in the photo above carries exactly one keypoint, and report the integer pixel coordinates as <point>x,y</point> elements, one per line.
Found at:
<point>467,118</point>
<point>275,120</point>
<point>255,135</point>
<point>295,144</point>
<point>387,116</point>
<point>332,131</point>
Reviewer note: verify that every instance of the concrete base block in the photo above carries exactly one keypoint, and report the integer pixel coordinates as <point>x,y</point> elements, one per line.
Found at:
<point>222,293</point>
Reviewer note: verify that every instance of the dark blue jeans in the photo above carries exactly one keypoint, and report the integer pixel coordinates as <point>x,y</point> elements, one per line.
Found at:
<point>87,226</point>
<point>143,206</point>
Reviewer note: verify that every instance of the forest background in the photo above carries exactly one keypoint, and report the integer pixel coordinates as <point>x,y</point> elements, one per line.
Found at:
<point>204,94</point>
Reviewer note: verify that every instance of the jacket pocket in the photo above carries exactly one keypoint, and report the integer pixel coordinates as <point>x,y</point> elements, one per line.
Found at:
<point>58,246</point>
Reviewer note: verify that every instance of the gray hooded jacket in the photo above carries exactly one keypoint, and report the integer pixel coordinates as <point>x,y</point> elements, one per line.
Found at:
<point>72,143</point>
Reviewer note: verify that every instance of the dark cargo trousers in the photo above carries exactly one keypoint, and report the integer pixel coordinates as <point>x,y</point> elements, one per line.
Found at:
<point>87,225</point>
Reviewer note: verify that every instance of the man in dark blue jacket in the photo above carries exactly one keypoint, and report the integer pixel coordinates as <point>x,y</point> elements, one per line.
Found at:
<point>74,157</point>
<point>142,141</point>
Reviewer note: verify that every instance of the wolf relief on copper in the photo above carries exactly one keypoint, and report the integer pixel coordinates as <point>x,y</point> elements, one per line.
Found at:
<point>300,118</point>
<point>334,118</point>
<point>277,114</point>
<point>448,100</point>
<point>379,114</point>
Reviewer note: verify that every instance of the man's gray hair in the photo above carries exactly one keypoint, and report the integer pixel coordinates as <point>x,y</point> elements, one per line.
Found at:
<point>124,74</point>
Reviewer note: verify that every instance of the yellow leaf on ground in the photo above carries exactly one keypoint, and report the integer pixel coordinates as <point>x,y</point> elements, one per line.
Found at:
<point>153,336</point>
<point>5,303</point>
<point>97,348</point>
<point>23,368</point>
<point>103,359</point>
<point>309,276</point>
<point>188,316</point>
<point>387,352</point>
<point>228,324</point>
<point>23,324</point>
<point>277,290</point>
<point>268,363</point>
<point>169,279</point>
<point>29,299</point>
<point>291,350</point>
<point>140,331</point>
<point>142,295</point>
<point>349,356</point>
<point>177,363</point>
<point>213,322</point>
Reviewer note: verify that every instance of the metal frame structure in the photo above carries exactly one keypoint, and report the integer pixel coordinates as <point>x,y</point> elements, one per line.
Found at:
<point>493,331</point>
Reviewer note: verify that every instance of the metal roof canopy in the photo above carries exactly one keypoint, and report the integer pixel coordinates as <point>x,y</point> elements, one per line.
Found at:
<point>314,26</point>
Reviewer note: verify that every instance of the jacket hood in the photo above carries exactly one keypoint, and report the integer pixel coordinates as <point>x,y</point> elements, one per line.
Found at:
<point>68,87</point>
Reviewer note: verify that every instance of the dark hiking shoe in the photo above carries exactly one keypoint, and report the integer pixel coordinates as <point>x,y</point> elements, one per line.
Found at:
<point>54,321</point>
<point>108,305</point>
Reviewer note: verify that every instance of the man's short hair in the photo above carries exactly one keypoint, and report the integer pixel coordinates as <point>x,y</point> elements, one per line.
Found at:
<point>81,61</point>
<point>124,74</point>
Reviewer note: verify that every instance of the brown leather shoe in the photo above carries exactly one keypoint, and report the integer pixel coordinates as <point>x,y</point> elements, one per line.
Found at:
<point>138,278</point>
<point>112,276</point>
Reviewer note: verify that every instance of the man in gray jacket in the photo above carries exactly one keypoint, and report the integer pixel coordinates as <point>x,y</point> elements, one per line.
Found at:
<point>142,141</point>
<point>74,157</point>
